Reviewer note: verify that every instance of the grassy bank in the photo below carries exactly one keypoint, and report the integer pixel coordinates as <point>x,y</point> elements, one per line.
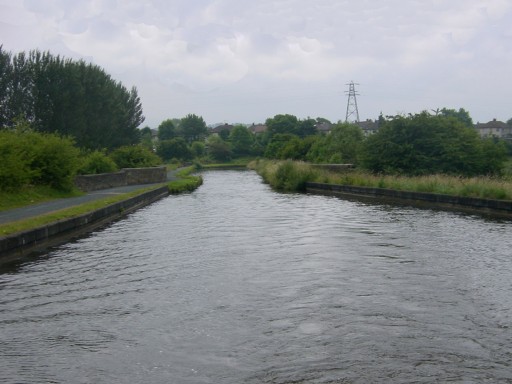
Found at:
<point>292,176</point>
<point>32,195</point>
<point>185,182</point>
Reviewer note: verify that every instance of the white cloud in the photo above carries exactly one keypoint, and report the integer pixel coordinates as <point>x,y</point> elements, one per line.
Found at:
<point>297,53</point>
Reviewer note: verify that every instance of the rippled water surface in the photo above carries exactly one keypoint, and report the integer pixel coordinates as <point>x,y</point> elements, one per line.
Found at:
<point>238,284</point>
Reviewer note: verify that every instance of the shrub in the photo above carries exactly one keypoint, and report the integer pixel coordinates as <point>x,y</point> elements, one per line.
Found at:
<point>29,157</point>
<point>135,156</point>
<point>97,162</point>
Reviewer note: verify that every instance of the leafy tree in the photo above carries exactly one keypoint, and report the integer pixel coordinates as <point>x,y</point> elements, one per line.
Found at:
<point>174,149</point>
<point>462,115</point>
<point>193,128</point>
<point>67,97</point>
<point>241,140</point>
<point>297,148</point>
<point>166,130</point>
<point>306,127</point>
<point>425,144</point>
<point>198,149</point>
<point>282,124</point>
<point>342,145</point>
<point>135,156</point>
<point>146,137</point>
<point>277,143</point>
<point>218,149</point>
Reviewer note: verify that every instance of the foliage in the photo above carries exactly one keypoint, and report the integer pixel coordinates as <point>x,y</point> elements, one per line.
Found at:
<point>135,156</point>
<point>67,97</point>
<point>166,130</point>
<point>425,144</point>
<point>277,143</point>
<point>97,162</point>
<point>342,145</point>
<point>193,128</point>
<point>198,149</point>
<point>286,175</point>
<point>461,115</point>
<point>29,157</point>
<point>175,148</point>
<point>218,149</point>
<point>241,140</point>
<point>282,124</point>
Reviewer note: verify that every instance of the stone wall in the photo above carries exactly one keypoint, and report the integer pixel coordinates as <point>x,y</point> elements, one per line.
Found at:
<point>127,176</point>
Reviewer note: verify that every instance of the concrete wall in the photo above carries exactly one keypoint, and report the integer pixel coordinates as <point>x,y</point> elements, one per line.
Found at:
<point>502,207</point>
<point>23,243</point>
<point>127,176</point>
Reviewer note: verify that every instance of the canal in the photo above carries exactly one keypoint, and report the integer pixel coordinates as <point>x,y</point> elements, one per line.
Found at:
<point>235,283</point>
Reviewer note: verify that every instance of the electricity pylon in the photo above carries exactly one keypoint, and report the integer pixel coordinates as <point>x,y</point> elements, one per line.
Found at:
<point>352,111</point>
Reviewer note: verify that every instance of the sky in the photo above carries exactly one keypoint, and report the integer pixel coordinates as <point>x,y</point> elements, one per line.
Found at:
<point>240,61</point>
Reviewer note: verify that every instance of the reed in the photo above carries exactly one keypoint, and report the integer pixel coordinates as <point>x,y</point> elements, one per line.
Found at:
<point>292,176</point>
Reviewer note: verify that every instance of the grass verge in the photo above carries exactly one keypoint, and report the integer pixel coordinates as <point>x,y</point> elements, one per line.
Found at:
<point>184,183</point>
<point>32,195</point>
<point>292,176</point>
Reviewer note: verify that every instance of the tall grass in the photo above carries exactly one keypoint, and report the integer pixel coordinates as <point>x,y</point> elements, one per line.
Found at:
<point>292,176</point>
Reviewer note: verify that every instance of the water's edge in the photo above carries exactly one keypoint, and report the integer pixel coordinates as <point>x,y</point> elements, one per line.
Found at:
<point>23,244</point>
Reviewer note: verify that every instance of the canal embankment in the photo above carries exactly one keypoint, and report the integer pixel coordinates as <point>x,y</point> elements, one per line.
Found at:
<point>22,243</point>
<point>496,207</point>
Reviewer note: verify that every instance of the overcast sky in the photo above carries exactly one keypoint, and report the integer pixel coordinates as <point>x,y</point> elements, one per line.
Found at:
<point>244,61</point>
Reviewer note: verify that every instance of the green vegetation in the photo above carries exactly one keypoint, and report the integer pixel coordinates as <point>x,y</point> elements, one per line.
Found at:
<point>186,182</point>
<point>34,222</point>
<point>292,176</point>
<point>71,98</point>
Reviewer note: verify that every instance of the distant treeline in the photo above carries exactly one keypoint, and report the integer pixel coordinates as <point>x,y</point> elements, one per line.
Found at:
<point>68,97</point>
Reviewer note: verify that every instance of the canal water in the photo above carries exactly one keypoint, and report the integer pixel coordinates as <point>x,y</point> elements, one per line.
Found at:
<point>235,283</point>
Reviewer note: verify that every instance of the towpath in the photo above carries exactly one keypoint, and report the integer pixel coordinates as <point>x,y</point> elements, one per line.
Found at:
<point>55,205</point>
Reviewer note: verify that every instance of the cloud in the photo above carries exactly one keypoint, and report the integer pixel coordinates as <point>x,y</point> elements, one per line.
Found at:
<point>190,54</point>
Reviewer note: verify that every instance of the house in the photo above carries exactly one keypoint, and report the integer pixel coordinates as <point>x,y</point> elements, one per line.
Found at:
<point>494,128</point>
<point>222,127</point>
<point>369,126</point>
<point>323,127</point>
<point>258,128</point>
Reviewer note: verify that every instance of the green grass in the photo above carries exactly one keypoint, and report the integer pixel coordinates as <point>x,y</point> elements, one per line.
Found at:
<point>32,195</point>
<point>185,183</point>
<point>34,222</point>
<point>291,176</point>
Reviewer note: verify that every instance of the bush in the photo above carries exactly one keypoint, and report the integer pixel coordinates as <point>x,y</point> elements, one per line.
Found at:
<point>29,157</point>
<point>135,156</point>
<point>97,162</point>
<point>174,148</point>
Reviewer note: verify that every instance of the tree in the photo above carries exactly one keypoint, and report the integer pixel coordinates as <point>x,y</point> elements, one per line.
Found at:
<point>306,127</point>
<point>67,97</point>
<point>174,149</point>
<point>241,140</point>
<point>218,149</point>
<point>282,124</point>
<point>462,115</point>
<point>193,128</point>
<point>166,130</point>
<point>277,143</point>
<point>424,144</point>
<point>342,145</point>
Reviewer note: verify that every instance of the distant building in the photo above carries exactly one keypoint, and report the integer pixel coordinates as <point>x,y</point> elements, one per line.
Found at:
<point>369,126</point>
<point>222,127</point>
<point>494,128</point>
<point>323,127</point>
<point>258,128</point>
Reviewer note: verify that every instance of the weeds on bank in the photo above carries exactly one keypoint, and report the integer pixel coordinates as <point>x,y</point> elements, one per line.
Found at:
<point>186,182</point>
<point>292,176</point>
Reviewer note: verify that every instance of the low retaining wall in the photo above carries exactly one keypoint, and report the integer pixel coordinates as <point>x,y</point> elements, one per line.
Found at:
<point>21,244</point>
<point>502,207</point>
<point>127,176</point>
